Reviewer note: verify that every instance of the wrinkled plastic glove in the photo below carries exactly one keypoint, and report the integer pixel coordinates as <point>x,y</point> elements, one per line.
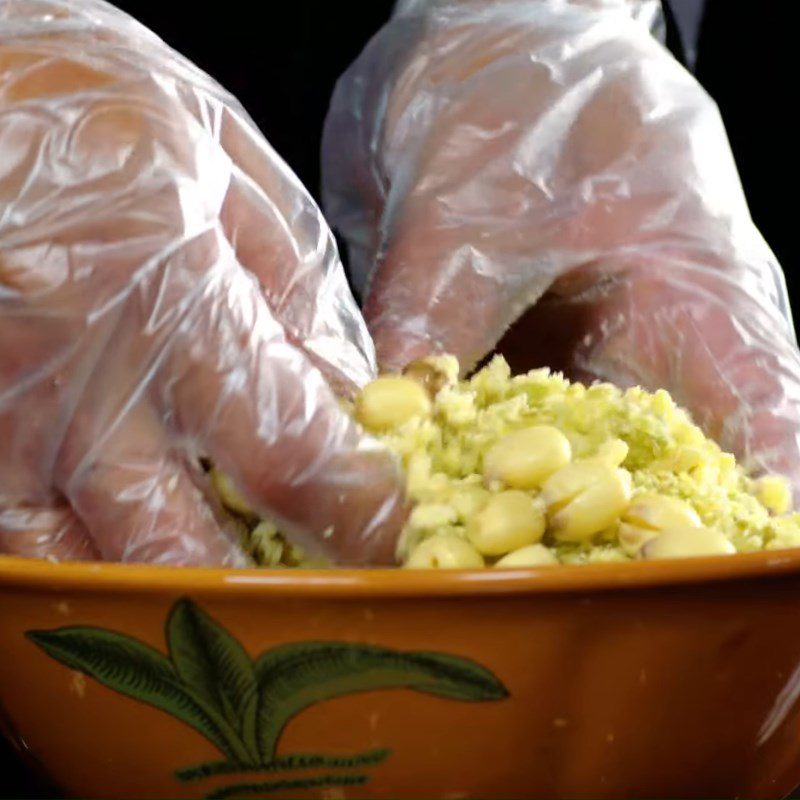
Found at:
<point>547,163</point>
<point>168,292</point>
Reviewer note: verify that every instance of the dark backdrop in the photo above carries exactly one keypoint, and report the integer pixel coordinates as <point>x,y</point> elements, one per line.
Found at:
<point>282,64</point>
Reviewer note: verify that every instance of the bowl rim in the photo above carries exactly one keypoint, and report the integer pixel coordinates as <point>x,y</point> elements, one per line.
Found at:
<point>95,577</point>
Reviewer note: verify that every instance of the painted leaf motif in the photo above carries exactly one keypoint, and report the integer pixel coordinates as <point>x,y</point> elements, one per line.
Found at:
<point>295,676</point>
<point>216,667</point>
<point>287,784</point>
<point>131,668</point>
<point>291,762</point>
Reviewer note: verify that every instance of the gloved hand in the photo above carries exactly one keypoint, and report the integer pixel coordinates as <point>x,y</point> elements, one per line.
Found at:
<point>547,163</point>
<point>168,291</point>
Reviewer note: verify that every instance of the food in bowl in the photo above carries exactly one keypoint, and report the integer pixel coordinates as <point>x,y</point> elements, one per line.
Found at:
<point>535,470</point>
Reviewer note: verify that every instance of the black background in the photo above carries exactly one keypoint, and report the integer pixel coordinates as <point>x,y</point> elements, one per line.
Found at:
<point>281,60</point>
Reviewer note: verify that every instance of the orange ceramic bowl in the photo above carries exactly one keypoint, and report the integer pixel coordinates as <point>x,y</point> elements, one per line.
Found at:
<point>670,679</point>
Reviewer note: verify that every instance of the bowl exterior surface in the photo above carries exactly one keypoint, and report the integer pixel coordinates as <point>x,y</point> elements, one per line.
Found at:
<point>663,691</point>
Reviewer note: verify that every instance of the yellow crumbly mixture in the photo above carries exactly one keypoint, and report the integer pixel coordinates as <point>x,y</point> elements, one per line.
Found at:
<point>532,470</point>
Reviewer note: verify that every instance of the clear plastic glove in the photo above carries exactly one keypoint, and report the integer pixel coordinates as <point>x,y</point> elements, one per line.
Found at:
<point>168,291</point>
<point>548,163</point>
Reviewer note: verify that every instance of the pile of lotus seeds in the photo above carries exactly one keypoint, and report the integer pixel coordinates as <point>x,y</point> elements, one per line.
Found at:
<point>533,470</point>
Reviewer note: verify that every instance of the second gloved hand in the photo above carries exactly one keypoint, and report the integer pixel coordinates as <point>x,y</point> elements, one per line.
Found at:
<point>548,163</point>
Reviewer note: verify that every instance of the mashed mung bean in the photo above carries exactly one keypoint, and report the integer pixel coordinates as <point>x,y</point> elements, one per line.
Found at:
<point>535,470</point>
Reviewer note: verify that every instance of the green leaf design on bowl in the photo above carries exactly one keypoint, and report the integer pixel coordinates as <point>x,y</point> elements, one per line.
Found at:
<point>293,677</point>
<point>132,668</point>
<point>209,682</point>
<point>208,659</point>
